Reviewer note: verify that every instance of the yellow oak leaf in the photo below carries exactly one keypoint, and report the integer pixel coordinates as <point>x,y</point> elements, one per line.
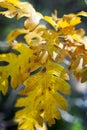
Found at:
<point>82,13</point>
<point>43,94</point>
<point>43,42</point>
<point>21,9</point>
<point>50,20</point>
<point>19,66</point>
<point>66,20</point>
<point>28,120</point>
<point>14,34</point>
<point>16,67</point>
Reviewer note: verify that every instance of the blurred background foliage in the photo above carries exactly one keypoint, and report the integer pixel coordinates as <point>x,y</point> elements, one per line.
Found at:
<point>76,117</point>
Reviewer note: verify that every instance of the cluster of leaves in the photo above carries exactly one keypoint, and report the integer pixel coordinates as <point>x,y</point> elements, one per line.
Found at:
<point>36,63</point>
